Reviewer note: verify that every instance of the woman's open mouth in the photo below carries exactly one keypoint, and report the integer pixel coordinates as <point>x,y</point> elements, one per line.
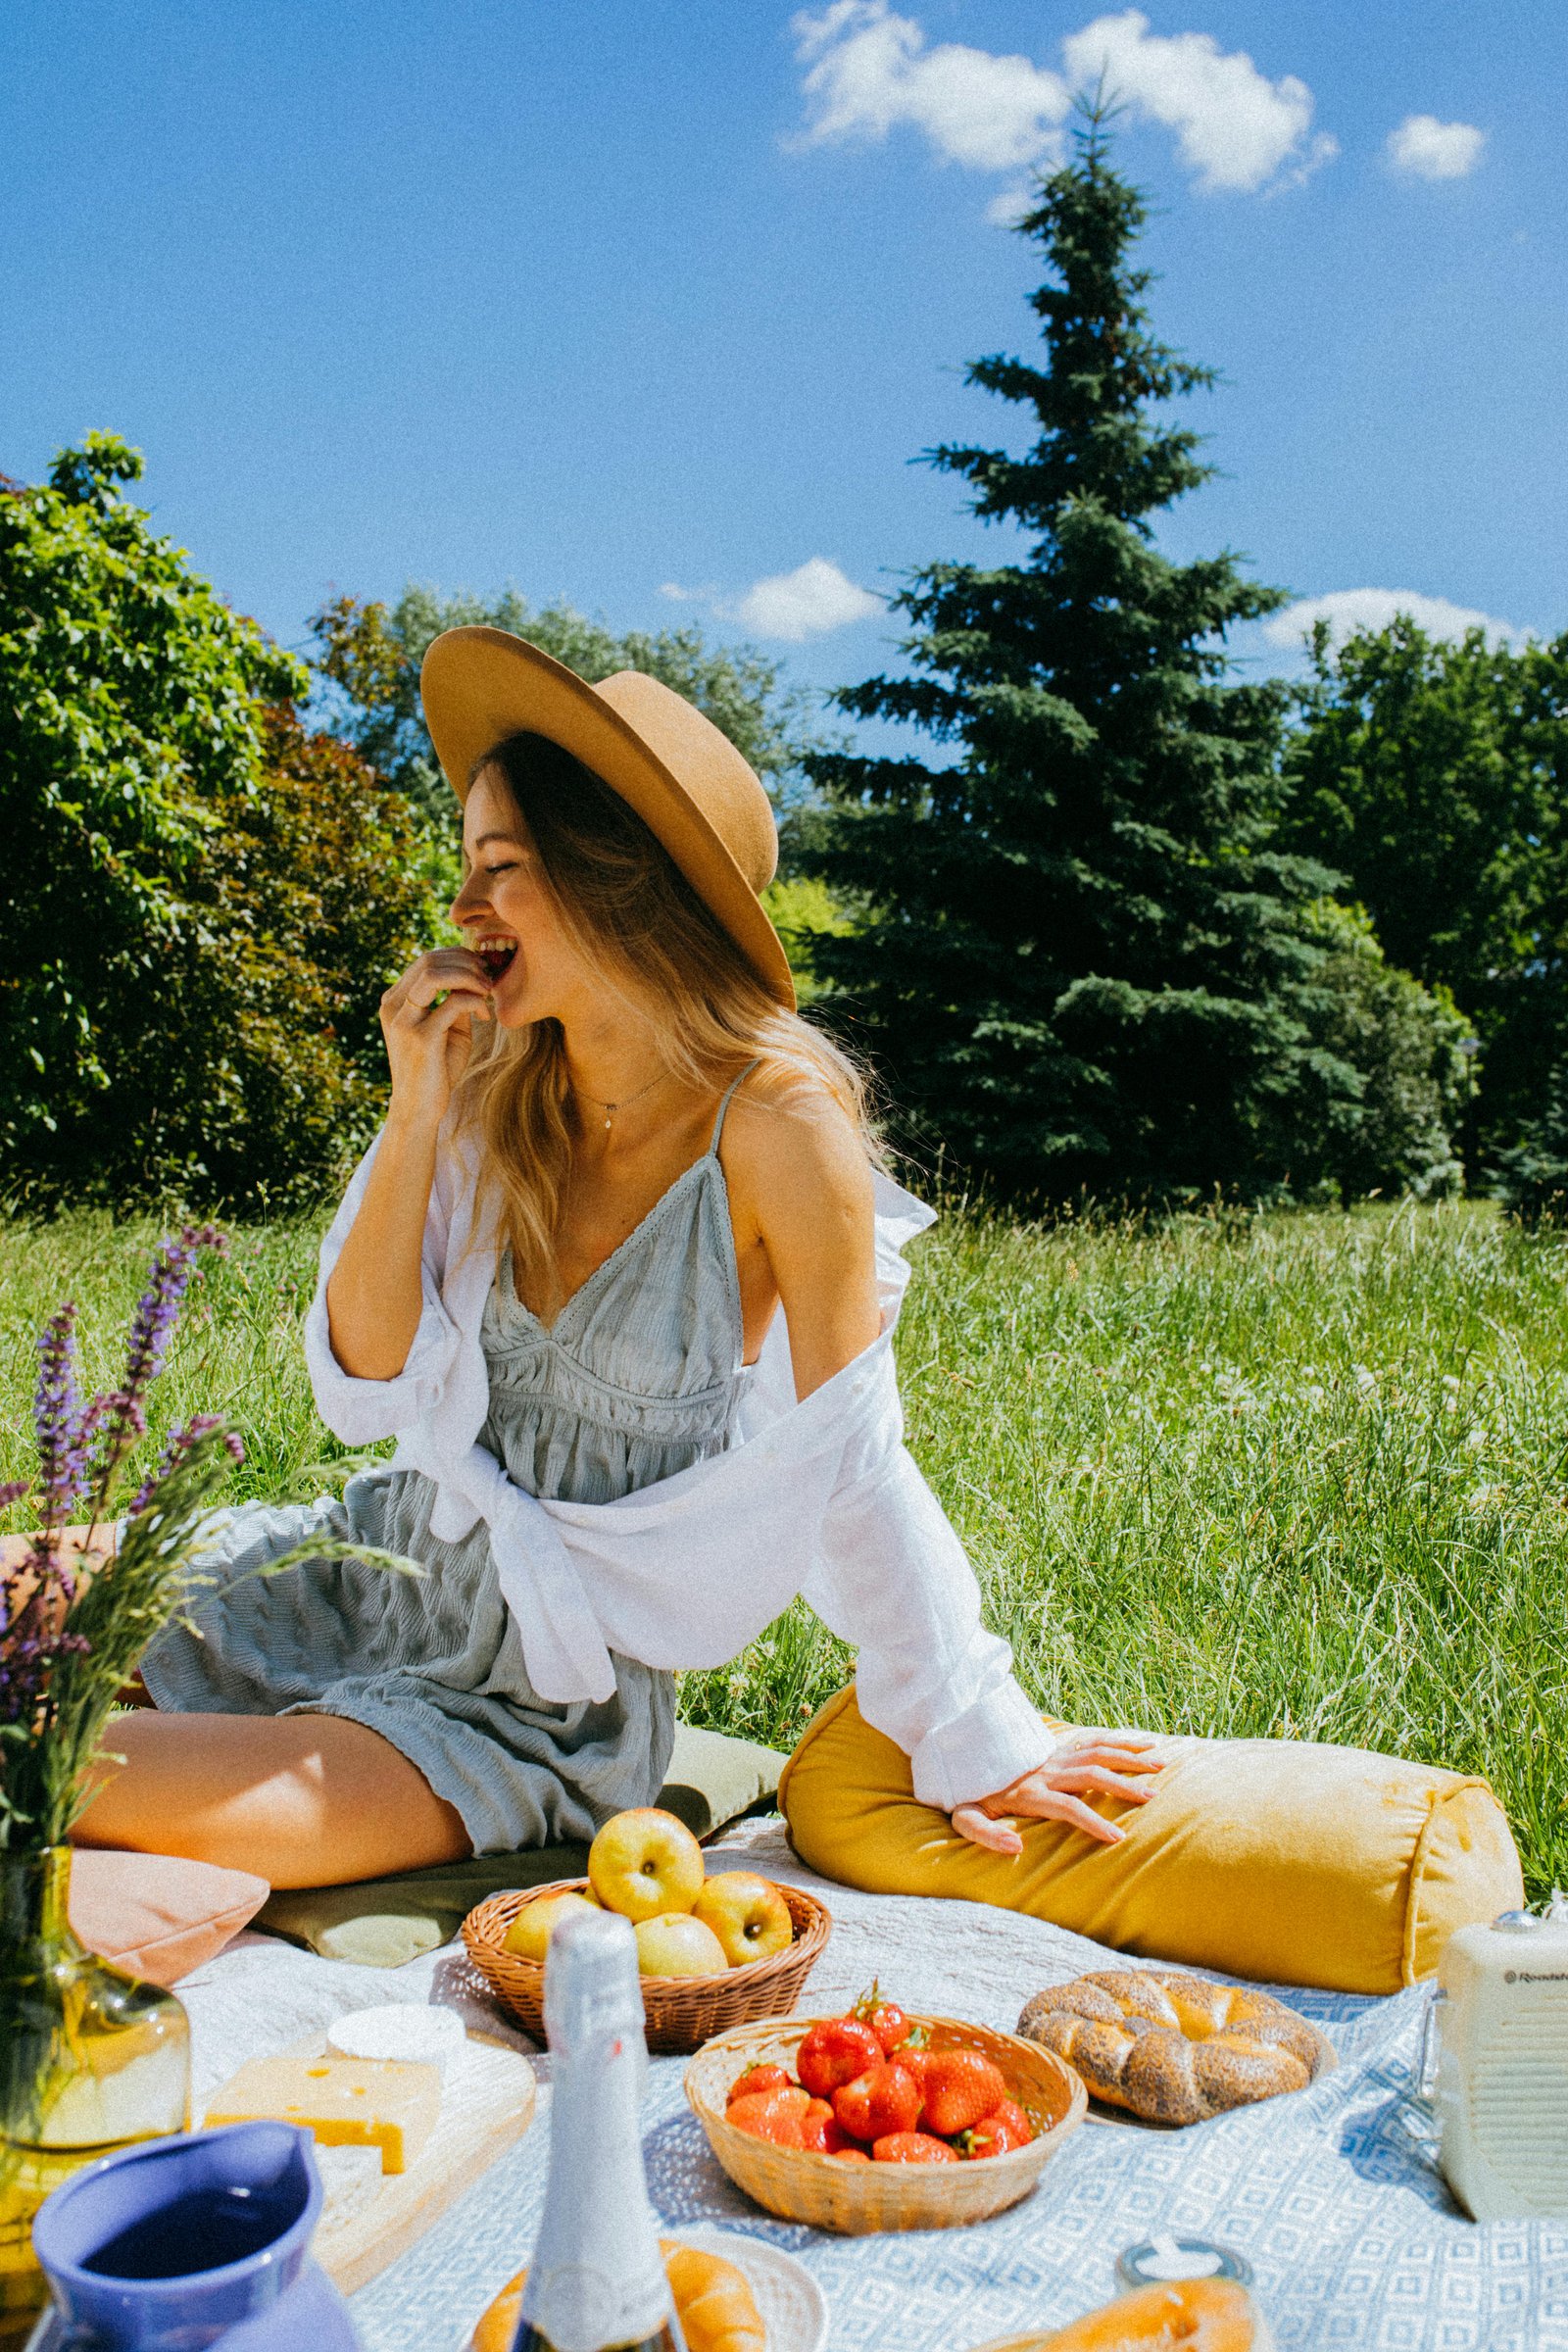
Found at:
<point>495,952</point>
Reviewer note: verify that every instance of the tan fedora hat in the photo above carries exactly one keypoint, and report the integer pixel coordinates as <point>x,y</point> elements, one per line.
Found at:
<point>680,773</point>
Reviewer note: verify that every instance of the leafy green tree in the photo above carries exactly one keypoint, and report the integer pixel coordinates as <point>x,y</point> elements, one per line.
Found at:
<point>1409,1046</point>
<point>1083,960</point>
<point>371,653</point>
<point>1531,1173</point>
<point>200,903</point>
<point>1435,776</point>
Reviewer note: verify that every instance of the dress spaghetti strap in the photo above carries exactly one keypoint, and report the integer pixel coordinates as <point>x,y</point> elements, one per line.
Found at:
<point>718,1123</point>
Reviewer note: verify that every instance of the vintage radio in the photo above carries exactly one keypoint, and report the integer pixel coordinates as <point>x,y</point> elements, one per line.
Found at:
<point>1501,2092</point>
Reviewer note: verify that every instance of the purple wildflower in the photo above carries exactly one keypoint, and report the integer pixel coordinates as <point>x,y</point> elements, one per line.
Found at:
<point>120,1418</point>
<point>182,1443</point>
<point>11,1490</point>
<point>159,1304</point>
<point>58,1419</point>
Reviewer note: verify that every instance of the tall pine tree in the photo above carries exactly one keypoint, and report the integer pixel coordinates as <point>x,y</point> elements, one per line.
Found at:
<point>1084,966</point>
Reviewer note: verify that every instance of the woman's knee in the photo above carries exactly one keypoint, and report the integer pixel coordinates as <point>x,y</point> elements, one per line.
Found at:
<point>300,1800</point>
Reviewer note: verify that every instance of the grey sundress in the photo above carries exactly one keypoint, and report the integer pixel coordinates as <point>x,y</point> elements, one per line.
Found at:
<point>638,1377</point>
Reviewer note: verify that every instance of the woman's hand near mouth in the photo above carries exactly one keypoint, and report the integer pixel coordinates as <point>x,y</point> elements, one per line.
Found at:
<point>373,1299</point>
<point>427,1042</point>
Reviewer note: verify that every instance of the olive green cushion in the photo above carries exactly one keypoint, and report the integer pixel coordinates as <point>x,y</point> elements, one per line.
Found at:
<point>379,1923</point>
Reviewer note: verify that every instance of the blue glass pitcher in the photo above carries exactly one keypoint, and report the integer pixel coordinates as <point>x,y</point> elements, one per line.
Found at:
<point>175,2244</point>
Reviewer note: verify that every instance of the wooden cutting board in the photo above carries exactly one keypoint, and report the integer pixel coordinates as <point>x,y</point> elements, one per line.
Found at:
<point>487,2104</point>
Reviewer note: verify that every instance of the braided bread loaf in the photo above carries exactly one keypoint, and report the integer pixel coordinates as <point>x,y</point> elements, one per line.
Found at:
<point>1173,2049</point>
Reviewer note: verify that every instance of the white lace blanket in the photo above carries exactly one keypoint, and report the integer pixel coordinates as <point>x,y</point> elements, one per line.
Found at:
<point>1330,2194</point>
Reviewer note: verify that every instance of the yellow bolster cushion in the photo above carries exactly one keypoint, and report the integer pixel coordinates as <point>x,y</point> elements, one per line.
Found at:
<point>1278,1859</point>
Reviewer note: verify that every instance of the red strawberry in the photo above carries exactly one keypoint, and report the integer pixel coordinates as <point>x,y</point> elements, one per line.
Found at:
<point>914,2147</point>
<point>993,2135</point>
<point>1008,2111</point>
<point>818,2128</point>
<point>834,2052</point>
<point>960,2086</point>
<point>757,2079</point>
<point>852,2155</point>
<point>884,2099</point>
<point>886,2019</point>
<point>775,2115</point>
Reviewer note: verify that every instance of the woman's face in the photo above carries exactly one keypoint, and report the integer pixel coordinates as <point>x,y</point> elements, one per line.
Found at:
<point>508,915</point>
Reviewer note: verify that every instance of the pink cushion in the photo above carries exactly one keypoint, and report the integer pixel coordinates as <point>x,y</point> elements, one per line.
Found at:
<point>156,1915</point>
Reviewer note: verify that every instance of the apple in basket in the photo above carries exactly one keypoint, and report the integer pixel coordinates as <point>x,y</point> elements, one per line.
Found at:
<point>647,1865</point>
<point>644,1863</point>
<point>531,1932</point>
<point>749,1916</point>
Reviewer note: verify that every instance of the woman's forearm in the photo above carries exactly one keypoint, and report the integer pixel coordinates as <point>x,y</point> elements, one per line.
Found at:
<point>374,1296</point>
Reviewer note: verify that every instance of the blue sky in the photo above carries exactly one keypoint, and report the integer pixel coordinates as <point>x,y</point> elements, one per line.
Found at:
<point>605,301</point>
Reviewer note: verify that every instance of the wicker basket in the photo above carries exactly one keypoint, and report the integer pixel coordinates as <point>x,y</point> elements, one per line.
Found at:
<point>854,2198</point>
<point>682,2012</point>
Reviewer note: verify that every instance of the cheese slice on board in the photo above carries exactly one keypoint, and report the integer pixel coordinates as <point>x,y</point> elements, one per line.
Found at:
<point>384,2103</point>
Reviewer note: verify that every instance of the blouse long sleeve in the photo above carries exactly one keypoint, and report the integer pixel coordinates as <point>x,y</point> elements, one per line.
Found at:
<point>891,1577</point>
<point>362,1412</point>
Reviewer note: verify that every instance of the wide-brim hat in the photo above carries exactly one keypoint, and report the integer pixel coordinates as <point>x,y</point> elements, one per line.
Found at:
<point>682,775</point>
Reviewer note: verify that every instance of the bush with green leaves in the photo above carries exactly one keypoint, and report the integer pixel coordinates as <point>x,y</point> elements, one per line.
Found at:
<point>1412,1050</point>
<point>201,901</point>
<point>1433,776</point>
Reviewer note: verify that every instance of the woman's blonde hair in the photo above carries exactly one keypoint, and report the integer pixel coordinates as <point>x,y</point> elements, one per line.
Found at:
<point>629,910</point>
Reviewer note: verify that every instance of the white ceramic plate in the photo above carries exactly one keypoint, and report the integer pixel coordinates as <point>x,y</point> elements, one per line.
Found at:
<point>789,2301</point>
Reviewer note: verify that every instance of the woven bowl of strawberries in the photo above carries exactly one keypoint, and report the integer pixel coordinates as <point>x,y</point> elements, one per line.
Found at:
<point>879,2119</point>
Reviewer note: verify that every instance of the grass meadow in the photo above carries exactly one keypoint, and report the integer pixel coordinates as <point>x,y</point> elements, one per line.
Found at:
<point>1301,1475</point>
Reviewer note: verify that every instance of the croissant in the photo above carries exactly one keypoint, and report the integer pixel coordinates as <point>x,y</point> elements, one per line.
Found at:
<point>1173,2049</point>
<point>1190,2315</point>
<point>712,2302</point>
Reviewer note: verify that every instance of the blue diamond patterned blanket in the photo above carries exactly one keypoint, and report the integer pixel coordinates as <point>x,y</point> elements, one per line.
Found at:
<point>1332,2194</point>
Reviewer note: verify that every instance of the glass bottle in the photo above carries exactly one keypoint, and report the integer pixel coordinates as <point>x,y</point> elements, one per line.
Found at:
<point>597,2281</point>
<point>90,2060</point>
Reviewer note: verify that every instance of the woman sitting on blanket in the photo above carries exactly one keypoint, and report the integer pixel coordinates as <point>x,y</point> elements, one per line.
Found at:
<point>616,1160</point>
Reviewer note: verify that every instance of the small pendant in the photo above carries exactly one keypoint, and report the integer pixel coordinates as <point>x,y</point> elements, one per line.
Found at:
<point>607,1126</point>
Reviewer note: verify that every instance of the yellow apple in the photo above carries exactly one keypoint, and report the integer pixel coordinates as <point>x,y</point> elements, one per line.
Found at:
<point>644,1863</point>
<point>675,1944</point>
<point>749,1916</point>
<point>531,1932</point>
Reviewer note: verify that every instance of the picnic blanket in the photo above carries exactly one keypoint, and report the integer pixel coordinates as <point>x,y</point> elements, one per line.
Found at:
<point>1332,2194</point>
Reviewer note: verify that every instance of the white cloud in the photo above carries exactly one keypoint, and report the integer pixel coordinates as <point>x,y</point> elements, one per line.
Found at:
<point>809,601</point>
<point>1428,149</point>
<point>869,70</point>
<point>678,595</point>
<point>1235,128</point>
<point>1346,610</point>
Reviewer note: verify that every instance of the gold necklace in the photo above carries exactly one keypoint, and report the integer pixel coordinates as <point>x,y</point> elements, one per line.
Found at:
<point>626,1102</point>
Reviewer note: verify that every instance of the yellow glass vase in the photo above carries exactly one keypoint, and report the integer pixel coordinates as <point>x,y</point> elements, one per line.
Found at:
<point>90,2060</point>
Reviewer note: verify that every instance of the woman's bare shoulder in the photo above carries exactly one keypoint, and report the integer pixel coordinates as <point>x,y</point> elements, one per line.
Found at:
<point>791,1151</point>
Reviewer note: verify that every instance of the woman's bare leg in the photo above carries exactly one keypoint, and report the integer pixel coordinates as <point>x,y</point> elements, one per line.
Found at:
<point>300,1800</point>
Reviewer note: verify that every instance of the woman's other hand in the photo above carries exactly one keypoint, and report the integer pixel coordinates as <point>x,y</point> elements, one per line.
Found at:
<point>1086,1764</point>
<point>426,1043</point>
